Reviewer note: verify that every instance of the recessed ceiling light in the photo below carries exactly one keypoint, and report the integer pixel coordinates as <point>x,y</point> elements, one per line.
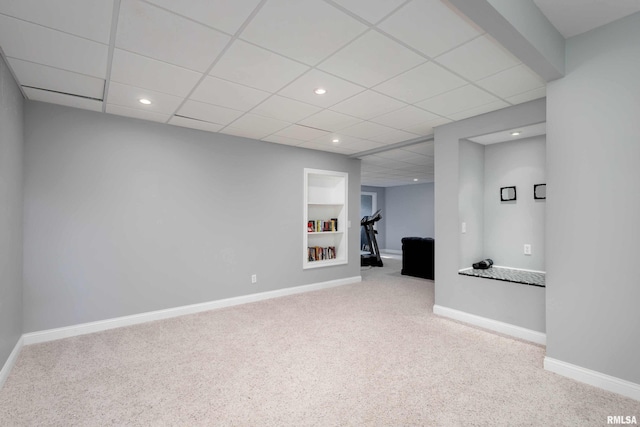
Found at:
<point>335,140</point>
<point>516,133</point>
<point>319,91</point>
<point>145,101</point>
<point>415,179</point>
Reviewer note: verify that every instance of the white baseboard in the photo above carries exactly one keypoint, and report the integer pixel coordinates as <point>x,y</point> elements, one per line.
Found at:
<point>103,325</point>
<point>391,251</point>
<point>494,325</point>
<point>594,378</point>
<point>8,365</point>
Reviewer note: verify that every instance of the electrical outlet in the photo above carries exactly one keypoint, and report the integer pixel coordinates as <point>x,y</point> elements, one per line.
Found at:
<point>254,278</point>
<point>527,249</point>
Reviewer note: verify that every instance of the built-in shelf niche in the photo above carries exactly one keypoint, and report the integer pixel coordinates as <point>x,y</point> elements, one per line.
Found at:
<point>325,206</point>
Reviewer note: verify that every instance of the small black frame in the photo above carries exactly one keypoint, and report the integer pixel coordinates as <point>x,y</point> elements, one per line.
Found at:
<point>505,194</point>
<point>540,191</point>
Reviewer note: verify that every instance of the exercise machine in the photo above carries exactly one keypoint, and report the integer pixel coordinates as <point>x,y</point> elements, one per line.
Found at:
<point>373,258</point>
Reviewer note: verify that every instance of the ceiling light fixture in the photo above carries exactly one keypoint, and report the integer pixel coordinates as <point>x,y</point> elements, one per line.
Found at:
<point>319,91</point>
<point>335,140</point>
<point>145,101</point>
<point>415,179</point>
<point>516,133</point>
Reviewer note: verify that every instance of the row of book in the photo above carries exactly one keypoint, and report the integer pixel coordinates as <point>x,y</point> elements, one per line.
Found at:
<point>317,253</point>
<point>318,225</point>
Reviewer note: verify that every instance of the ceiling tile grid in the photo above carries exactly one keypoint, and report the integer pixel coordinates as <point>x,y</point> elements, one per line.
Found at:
<point>392,70</point>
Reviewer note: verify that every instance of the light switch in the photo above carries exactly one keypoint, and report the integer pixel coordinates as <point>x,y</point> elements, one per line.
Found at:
<point>464,227</point>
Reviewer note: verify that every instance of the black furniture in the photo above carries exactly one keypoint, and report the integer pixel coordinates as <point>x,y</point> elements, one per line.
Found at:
<point>418,257</point>
<point>373,259</point>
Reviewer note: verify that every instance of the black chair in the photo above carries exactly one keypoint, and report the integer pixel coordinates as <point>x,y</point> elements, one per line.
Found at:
<point>418,257</point>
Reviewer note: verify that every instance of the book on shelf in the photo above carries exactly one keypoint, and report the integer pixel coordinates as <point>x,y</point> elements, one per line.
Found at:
<point>318,253</point>
<point>322,226</point>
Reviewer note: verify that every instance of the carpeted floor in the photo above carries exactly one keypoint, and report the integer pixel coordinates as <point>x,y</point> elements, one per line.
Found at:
<point>367,354</point>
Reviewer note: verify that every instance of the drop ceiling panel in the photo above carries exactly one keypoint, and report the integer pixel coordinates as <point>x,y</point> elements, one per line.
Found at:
<point>540,92</point>
<point>139,71</point>
<point>137,114</point>
<point>429,26</point>
<point>368,104</point>
<point>90,19</point>
<point>366,130</point>
<point>359,145</point>
<point>426,128</point>
<point>260,125</point>
<point>224,15</point>
<point>405,117</point>
<point>50,47</point>
<point>421,160</point>
<point>277,139</point>
<point>307,31</point>
<point>425,148</point>
<point>457,100</point>
<point>216,91</point>
<point>256,67</point>
<point>398,154</point>
<point>195,124</point>
<point>512,81</point>
<point>156,33</point>
<point>337,89</point>
<point>312,145</point>
<point>330,120</point>
<point>285,109</point>
<point>208,112</point>
<point>367,60</point>
<point>372,11</point>
<point>420,83</point>
<point>478,58</point>
<point>245,132</point>
<point>503,136</point>
<point>476,111</point>
<point>302,133</point>
<point>44,77</point>
<point>129,96</point>
<point>62,99</point>
<point>393,136</point>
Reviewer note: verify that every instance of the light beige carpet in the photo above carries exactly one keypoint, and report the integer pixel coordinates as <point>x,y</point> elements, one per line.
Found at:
<point>368,354</point>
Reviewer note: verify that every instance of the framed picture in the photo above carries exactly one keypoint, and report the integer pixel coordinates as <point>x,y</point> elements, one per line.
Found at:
<point>507,194</point>
<point>540,191</point>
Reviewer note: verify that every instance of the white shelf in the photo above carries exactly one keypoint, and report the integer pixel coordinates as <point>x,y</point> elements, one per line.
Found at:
<point>325,199</point>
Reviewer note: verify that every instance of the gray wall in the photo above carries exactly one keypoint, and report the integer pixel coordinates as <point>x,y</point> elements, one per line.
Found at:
<point>471,203</point>
<point>509,225</point>
<point>593,204</point>
<point>516,304</point>
<point>409,210</point>
<point>124,216</point>
<point>11,191</point>
<point>381,225</point>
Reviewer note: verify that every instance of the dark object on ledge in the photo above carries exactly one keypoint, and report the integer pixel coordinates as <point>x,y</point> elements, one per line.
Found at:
<point>483,265</point>
<point>418,257</point>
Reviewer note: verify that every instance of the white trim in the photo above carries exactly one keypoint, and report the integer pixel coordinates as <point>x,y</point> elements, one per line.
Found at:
<point>508,268</point>
<point>521,269</point>
<point>103,325</point>
<point>391,251</point>
<point>494,325</point>
<point>594,378</point>
<point>8,365</point>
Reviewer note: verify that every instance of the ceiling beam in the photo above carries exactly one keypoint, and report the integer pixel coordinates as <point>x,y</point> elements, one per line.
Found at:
<point>521,28</point>
<point>395,146</point>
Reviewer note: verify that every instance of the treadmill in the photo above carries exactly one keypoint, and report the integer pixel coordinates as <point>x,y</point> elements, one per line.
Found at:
<point>372,259</point>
